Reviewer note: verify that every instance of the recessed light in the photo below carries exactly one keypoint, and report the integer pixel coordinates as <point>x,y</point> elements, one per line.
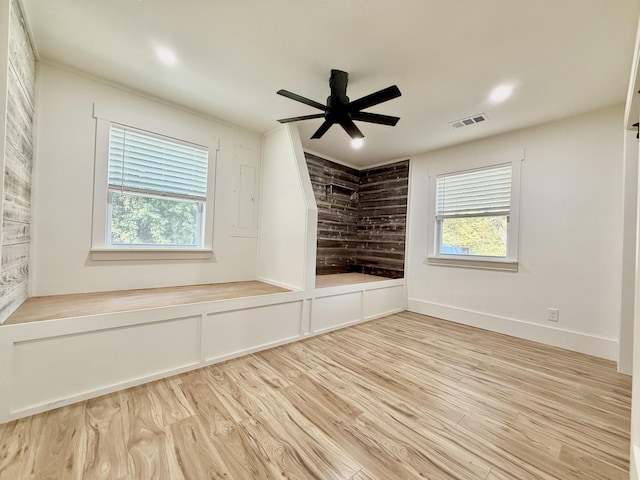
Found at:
<point>357,142</point>
<point>166,56</point>
<point>501,93</point>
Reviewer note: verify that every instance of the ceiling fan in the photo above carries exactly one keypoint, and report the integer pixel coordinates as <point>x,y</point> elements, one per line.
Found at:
<point>343,112</point>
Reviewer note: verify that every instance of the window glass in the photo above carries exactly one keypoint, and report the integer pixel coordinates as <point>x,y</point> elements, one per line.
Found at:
<point>157,190</point>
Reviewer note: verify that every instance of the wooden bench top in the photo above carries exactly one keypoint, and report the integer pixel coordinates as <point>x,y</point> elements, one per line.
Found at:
<point>52,307</point>
<point>76,305</point>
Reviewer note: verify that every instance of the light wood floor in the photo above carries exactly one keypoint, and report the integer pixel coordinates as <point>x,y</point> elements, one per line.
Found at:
<point>402,397</point>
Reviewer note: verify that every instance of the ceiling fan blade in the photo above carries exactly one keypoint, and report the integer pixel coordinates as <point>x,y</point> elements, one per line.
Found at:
<point>298,98</point>
<point>323,129</point>
<point>375,118</point>
<point>374,98</point>
<point>351,129</point>
<point>304,117</point>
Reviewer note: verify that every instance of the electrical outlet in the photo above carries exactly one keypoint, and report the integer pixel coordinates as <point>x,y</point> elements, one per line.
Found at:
<point>552,314</point>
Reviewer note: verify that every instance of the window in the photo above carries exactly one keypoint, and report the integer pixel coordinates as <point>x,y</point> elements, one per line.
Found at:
<point>475,217</point>
<point>157,190</point>
<point>153,192</point>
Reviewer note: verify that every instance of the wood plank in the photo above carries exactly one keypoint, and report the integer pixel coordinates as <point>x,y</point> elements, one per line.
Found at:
<point>14,256</point>
<point>17,163</point>
<point>59,447</point>
<point>106,454</point>
<point>21,56</point>
<point>196,456</point>
<point>15,233</point>
<point>17,186</point>
<point>19,119</point>
<point>150,446</point>
<point>16,209</point>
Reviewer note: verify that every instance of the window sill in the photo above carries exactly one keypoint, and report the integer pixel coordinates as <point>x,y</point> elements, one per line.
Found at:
<point>101,254</point>
<point>480,263</point>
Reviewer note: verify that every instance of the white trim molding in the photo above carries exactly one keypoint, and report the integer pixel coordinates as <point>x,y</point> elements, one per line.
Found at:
<point>513,157</point>
<point>104,116</point>
<point>484,263</point>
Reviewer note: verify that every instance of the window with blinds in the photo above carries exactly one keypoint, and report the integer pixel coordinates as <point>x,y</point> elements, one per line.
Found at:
<point>140,162</point>
<point>157,189</point>
<point>472,212</point>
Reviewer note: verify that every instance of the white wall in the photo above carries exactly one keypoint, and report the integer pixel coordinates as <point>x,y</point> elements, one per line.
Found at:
<point>63,192</point>
<point>570,245</point>
<point>629,245</point>
<point>288,213</point>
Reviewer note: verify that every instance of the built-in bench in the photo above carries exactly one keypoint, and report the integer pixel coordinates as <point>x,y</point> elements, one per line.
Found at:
<point>62,349</point>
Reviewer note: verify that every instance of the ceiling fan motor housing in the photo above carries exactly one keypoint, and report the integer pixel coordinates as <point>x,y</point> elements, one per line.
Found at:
<point>339,109</point>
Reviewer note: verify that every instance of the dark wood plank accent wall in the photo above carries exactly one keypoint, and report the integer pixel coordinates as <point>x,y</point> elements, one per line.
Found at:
<point>17,160</point>
<point>361,217</point>
<point>382,220</point>
<point>335,188</point>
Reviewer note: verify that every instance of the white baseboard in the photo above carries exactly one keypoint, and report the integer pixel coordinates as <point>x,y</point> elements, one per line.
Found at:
<point>556,337</point>
<point>293,288</point>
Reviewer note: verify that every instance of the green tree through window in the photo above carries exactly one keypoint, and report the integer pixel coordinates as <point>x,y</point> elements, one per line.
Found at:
<point>485,236</point>
<point>142,220</point>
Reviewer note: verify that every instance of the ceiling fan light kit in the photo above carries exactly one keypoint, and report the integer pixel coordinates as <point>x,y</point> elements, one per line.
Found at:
<point>339,110</point>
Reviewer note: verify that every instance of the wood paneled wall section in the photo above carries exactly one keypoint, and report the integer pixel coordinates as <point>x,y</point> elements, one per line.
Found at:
<point>382,219</point>
<point>335,188</point>
<point>18,156</point>
<point>361,217</point>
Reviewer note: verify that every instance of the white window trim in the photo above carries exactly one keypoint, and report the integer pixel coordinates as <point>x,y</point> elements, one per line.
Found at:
<point>100,250</point>
<point>508,263</point>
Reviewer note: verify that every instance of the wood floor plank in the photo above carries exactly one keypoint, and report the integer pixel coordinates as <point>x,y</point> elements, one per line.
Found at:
<point>592,463</point>
<point>169,401</point>
<point>315,446</point>
<point>196,456</point>
<point>18,448</point>
<point>361,475</point>
<point>368,397</point>
<point>235,400</point>
<point>614,451</point>
<point>402,397</point>
<point>151,456</point>
<point>105,452</point>
<point>59,446</point>
<point>442,461</point>
<point>222,432</point>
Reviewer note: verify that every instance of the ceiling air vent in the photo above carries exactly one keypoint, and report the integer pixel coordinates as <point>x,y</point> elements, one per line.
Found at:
<point>481,117</point>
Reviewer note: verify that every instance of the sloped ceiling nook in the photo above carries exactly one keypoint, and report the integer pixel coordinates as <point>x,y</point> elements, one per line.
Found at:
<point>362,217</point>
<point>231,57</point>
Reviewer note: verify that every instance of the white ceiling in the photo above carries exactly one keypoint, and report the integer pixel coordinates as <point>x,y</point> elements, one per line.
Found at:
<point>562,58</point>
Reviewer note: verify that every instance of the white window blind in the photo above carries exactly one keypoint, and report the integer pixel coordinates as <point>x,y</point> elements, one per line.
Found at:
<point>475,193</point>
<point>141,162</point>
